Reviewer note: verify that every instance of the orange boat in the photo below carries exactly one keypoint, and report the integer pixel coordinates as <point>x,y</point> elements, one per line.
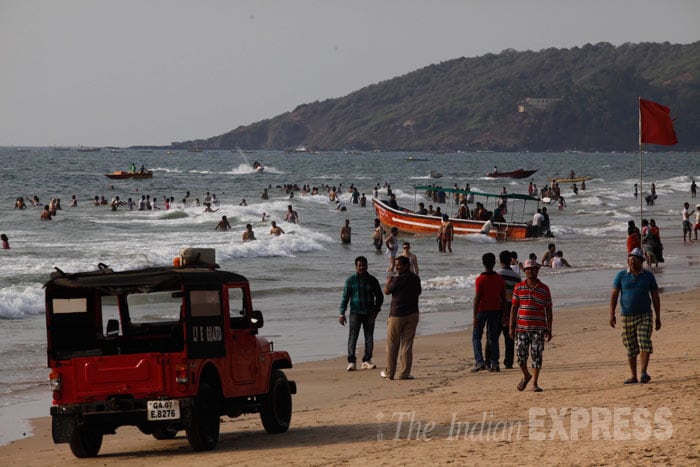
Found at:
<point>410,222</point>
<point>123,174</point>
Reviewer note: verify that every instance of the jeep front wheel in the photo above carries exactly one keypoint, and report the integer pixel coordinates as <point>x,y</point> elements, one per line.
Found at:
<point>276,409</point>
<point>86,441</point>
<point>203,425</point>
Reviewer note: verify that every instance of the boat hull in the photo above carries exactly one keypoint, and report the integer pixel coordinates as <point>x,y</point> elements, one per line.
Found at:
<point>520,173</point>
<point>410,222</point>
<point>120,175</point>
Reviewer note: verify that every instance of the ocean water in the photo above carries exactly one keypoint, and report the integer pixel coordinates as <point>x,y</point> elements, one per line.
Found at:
<point>297,278</point>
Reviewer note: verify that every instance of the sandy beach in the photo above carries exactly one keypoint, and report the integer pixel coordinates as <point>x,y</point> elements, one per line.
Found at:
<point>584,416</point>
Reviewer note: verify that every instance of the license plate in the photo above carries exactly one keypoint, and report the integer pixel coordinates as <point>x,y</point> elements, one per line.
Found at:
<point>163,410</point>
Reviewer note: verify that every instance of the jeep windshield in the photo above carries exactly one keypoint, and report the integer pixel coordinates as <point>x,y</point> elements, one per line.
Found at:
<point>107,313</point>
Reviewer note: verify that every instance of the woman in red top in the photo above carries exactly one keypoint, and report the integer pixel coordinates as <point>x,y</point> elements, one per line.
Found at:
<point>634,237</point>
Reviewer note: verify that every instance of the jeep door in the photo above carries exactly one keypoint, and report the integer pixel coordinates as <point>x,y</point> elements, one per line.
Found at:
<point>243,343</point>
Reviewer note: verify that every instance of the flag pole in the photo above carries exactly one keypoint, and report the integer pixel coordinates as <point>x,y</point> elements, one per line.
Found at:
<point>641,191</point>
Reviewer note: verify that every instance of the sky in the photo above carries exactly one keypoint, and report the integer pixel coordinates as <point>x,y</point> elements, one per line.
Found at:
<point>150,72</point>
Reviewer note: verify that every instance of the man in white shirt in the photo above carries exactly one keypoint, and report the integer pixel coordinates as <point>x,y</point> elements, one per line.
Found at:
<point>537,220</point>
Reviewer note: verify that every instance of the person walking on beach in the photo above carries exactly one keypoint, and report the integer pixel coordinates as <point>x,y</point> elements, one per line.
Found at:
<point>406,247</point>
<point>511,278</point>
<point>637,290</point>
<point>346,233</point>
<point>378,235</point>
<point>364,294</point>
<point>489,306</point>
<point>403,319</point>
<point>531,322</point>
<point>693,189</point>
<point>392,248</point>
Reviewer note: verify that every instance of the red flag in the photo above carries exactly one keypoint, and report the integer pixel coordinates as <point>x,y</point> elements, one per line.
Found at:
<point>655,125</point>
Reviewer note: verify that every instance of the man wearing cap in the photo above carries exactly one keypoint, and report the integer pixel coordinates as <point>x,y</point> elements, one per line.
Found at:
<point>637,290</point>
<point>531,322</point>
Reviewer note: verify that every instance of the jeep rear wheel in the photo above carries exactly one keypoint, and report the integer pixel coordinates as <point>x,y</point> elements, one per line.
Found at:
<point>276,410</point>
<point>86,441</point>
<point>203,425</point>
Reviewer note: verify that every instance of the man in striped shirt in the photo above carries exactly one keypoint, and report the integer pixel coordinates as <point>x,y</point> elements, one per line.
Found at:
<point>531,322</point>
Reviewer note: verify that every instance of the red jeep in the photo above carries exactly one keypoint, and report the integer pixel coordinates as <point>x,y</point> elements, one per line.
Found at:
<point>164,349</point>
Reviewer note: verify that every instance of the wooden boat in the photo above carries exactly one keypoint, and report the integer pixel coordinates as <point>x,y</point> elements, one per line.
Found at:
<point>123,174</point>
<point>520,173</point>
<point>434,174</point>
<point>409,222</point>
<point>571,180</point>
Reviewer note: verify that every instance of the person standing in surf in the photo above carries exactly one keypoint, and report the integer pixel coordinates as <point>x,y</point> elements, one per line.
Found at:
<point>346,233</point>
<point>392,248</point>
<point>378,235</point>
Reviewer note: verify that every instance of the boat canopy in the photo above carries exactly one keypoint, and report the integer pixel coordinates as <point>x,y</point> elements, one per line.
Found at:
<point>477,193</point>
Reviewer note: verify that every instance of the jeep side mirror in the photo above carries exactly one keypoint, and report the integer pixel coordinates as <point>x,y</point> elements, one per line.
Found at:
<point>257,319</point>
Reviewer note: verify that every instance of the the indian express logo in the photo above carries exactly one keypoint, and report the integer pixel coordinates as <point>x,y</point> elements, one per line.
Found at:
<point>541,424</point>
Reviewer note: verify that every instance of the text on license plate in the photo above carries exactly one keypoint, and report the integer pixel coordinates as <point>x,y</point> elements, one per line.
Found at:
<point>163,410</point>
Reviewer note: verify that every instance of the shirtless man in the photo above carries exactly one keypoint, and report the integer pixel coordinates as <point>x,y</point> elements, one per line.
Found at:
<point>276,230</point>
<point>292,216</point>
<point>411,257</point>
<point>223,224</point>
<point>345,232</point>
<point>446,234</point>
<point>548,255</point>
<point>248,234</point>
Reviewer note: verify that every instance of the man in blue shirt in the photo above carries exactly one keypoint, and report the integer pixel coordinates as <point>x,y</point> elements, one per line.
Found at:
<point>637,290</point>
<point>363,293</point>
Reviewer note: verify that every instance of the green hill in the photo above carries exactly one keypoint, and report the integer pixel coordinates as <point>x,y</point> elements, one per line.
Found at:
<point>583,98</point>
